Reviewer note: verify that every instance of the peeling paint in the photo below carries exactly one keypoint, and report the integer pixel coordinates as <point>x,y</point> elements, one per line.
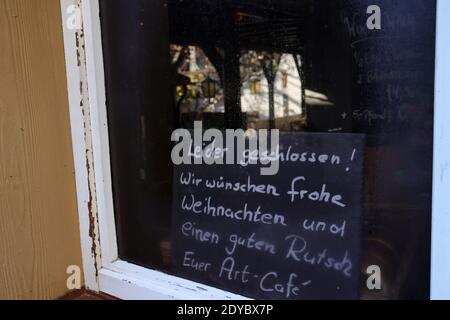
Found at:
<point>89,155</point>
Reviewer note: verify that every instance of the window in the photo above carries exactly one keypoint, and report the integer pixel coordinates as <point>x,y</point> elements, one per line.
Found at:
<point>298,66</point>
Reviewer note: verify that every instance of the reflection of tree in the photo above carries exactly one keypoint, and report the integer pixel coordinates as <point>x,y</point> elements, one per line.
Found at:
<point>298,64</point>
<point>262,65</point>
<point>270,63</point>
<point>216,59</point>
<point>250,66</point>
<point>256,64</point>
<point>191,67</point>
<point>179,58</point>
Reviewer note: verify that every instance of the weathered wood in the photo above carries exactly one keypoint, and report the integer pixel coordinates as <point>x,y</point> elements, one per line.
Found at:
<point>39,235</point>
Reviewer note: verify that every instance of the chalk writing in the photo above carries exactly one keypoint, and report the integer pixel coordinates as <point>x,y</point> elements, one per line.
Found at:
<point>294,235</point>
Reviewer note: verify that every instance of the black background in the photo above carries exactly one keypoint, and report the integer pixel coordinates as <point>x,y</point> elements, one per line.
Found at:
<point>326,283</point>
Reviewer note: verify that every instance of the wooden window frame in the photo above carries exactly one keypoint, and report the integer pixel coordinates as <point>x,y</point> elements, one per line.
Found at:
<point>103,269</point>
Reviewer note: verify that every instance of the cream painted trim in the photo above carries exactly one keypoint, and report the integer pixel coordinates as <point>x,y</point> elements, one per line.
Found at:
<point>103,270</point>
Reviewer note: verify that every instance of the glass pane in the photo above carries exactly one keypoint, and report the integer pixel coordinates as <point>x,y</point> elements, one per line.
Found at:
<point>298,66</point>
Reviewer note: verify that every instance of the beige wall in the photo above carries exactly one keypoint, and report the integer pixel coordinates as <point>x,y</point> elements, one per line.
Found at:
<point>38,219</point>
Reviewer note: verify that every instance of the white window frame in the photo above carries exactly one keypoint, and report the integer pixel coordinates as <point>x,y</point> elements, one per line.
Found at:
<point>440,252</point>
<point>103,269</point>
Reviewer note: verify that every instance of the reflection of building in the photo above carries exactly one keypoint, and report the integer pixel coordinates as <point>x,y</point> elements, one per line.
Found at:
<point>255,88</point>
<point>288,92</point>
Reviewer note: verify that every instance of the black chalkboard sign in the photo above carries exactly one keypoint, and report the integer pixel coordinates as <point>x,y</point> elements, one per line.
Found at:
<point>293,235</point>
<point>392,68</point>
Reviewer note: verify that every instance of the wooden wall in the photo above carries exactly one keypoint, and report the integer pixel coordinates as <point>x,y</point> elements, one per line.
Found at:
<point>39,232</point>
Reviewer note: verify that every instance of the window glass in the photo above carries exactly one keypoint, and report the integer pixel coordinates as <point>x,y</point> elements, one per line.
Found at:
<point>298,66</point>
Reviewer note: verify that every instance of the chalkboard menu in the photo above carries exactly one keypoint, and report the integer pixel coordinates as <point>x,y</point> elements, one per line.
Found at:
<point>294,235</point>
<point>392,68</point>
